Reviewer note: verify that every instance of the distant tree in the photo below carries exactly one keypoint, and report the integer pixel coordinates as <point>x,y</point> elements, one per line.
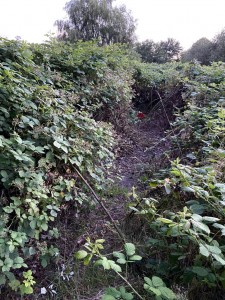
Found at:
<point>162,52</point>
<point>167,50</point>
<point>146,50</point>
<point>218,53</point>
<point>200,50</point>
<point>96,19</point>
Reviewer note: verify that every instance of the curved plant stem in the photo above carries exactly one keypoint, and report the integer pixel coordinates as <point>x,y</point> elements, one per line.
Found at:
<point>101,203</point>
<point>127,282</point>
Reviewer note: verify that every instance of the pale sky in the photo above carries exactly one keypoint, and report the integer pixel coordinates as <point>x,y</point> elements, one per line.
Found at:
<point>184,20</point>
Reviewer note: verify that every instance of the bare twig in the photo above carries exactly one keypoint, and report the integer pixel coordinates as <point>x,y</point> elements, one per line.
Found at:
<point>101,203</point>
<point>161,100</point>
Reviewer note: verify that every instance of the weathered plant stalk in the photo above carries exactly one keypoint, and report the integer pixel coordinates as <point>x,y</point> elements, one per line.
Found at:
<point>101,203</point>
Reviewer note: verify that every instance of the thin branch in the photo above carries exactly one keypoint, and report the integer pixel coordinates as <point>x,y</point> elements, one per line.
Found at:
<point>127,282</point>
<point>161,100</point>
<point>101,203</point>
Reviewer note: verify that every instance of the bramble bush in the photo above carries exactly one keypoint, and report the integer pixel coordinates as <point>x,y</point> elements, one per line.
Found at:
<point>48,96</point>
<point>185,214</point>
<point>55,99</point>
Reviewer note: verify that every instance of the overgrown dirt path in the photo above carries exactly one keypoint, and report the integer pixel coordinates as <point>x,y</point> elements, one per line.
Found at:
<point>140,152</point>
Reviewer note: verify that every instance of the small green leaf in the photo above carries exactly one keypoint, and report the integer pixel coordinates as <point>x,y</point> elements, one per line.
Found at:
<point>130,249</point>
<point>100,241</point>
<point>18,260</point>
<point>106,263</point>
<point>148,281</point>
<point>87,259</point>
<point>135,257</point>
<point>166,221</point>
<point>2,279</point>
<point>56,144</point>
<point>121,261</point>
<point>167,188</point>
<point>81,254</point>
<point>118,254</point>
<point>44,226</point>
<point>114,266</point>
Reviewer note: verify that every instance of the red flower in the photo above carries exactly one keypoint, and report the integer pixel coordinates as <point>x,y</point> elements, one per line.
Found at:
<point>140,115</point>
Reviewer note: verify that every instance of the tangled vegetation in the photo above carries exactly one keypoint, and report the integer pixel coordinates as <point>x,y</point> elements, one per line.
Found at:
<point>60,107</point>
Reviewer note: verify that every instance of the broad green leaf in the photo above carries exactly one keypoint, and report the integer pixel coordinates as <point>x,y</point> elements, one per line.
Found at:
<point>200,271</point>
<point>125,295</point>
<point>210,219</point>
<point>155,291</point>
<point>196,217</point>
<point>27,290</point>
<point>156,281</point>
<point>113,292</point>
<point>204,251</point>
<point>44,226</point>
<point>201,226</point>
<point>167,293</point>
<point>148,281</point>
<point>4,174</point>
<point>219,259</point>
<point>213,249</point>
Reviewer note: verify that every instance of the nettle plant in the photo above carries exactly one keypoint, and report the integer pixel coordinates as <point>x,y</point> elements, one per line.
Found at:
<point>42,138</point>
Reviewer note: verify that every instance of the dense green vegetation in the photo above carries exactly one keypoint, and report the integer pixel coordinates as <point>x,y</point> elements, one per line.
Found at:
<point>60,107</point>
<point>49,94</point>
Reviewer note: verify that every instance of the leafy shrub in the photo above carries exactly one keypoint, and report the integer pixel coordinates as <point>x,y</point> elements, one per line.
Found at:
<point>186,218</point>
<point>45,133</point>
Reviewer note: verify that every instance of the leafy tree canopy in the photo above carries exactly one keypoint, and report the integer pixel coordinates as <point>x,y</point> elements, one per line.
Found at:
<point>206,51</point>
<point>200,51</point>
<point>97,19</point>
<point>161,52</point>
<point>219,46</point>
